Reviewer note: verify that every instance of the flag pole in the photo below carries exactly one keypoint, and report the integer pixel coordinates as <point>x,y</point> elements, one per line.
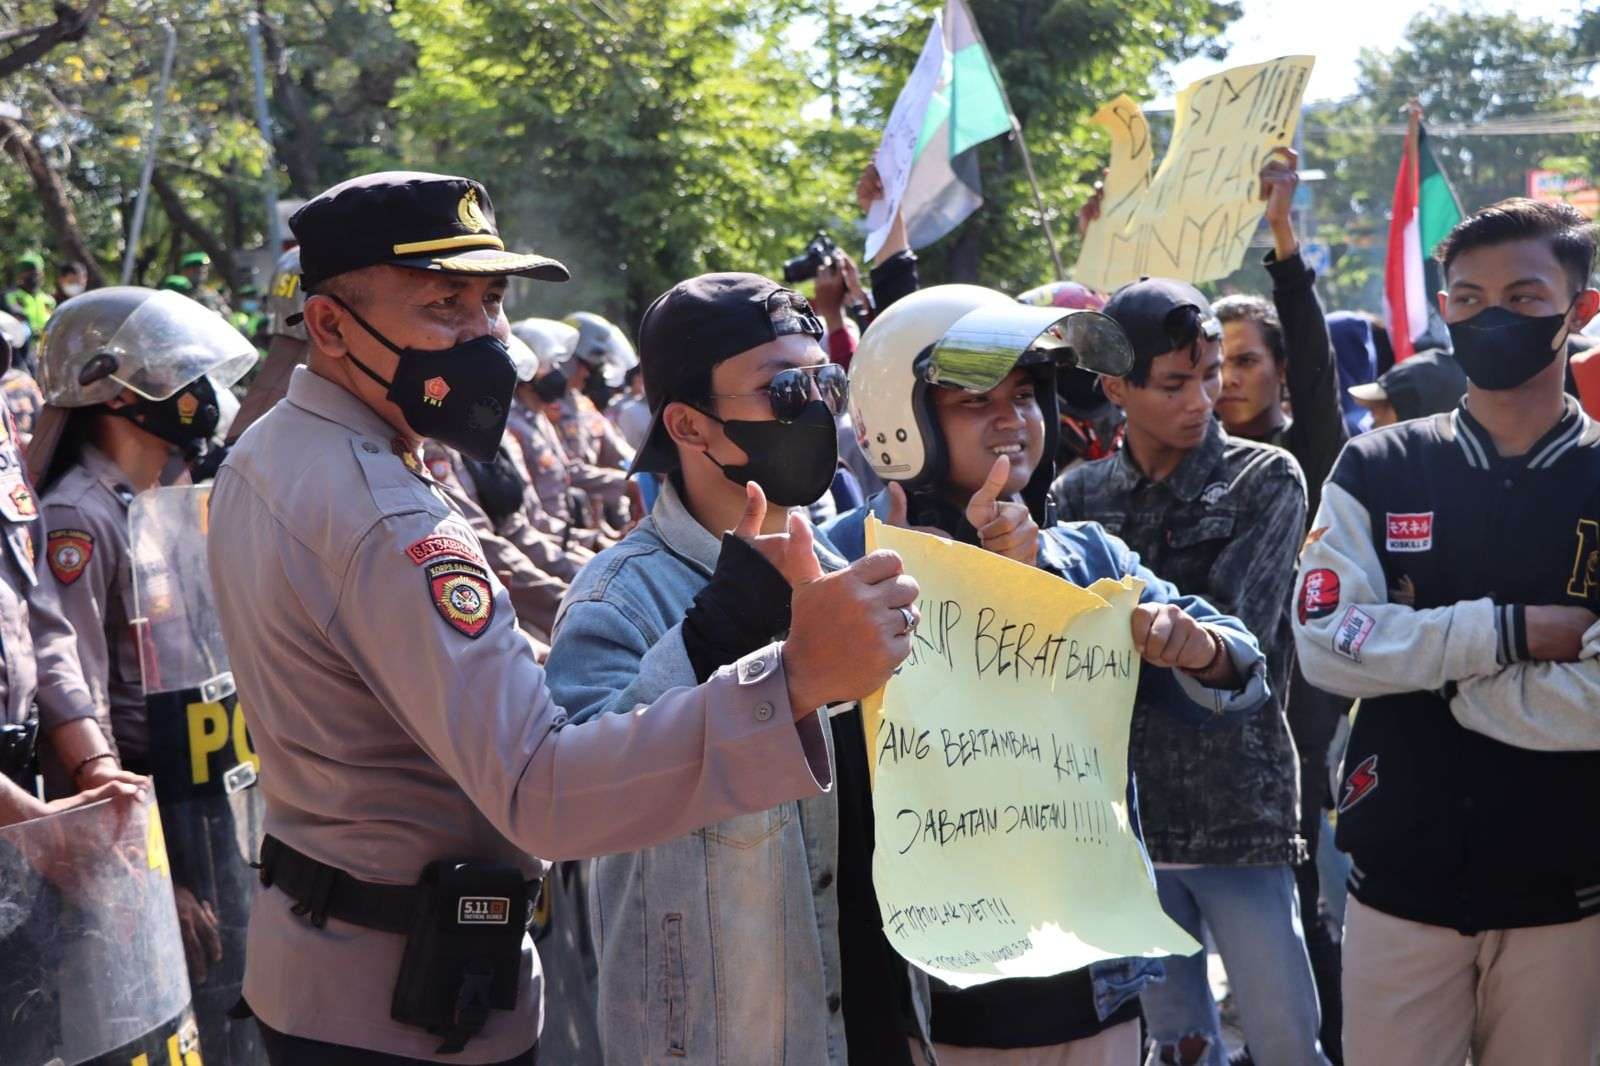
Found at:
<point>1022,145</point>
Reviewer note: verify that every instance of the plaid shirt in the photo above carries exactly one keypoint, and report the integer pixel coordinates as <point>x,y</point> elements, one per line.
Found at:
<point>1226,525</point>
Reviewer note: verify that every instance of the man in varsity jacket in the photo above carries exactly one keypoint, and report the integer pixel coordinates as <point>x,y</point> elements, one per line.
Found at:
<point>1449,580</point>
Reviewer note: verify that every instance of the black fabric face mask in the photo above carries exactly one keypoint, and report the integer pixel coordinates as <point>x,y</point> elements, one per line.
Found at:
<point>1500,349</point>
<point>184,419</point>
<point>793,462</point>
<point>459,396</point>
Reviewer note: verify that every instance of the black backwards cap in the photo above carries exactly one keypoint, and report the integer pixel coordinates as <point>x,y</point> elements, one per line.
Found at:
<point>697,324</point>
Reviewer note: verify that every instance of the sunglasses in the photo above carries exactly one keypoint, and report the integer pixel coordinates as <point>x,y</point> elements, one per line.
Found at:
<point>790,390</point>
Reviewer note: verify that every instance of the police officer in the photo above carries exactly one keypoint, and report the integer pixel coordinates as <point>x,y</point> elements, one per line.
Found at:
<point>133,378</point>
<point>26,298</point>
<point>411,757</point>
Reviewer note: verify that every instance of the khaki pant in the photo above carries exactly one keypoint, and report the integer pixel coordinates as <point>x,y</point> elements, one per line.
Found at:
<point>1117,1046</point>
<point>1423,995</point>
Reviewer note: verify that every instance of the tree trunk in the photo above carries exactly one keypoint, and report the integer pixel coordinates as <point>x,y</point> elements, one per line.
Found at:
<point>214,246</point>
<point>297,150</point>
<point>52,193</point>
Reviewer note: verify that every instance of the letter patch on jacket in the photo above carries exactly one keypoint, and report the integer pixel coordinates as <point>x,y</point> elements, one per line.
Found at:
<point>462,595</point>
<point>1319,594</point>
<point>68,552</point>
<point>1354,629</point>
<point>1362,782</point>
<point>1410,532</point>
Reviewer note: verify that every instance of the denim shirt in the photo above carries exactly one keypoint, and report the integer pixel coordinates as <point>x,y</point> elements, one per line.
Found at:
<point>721,946</point>
<point>1227,524</point>
<point>1082,553</point>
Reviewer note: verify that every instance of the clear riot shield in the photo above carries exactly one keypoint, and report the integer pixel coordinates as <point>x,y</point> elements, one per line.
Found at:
<point>91,963</point>
<point>200,754</point>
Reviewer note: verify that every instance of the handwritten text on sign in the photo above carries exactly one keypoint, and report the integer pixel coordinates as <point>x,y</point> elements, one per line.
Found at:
<point>999,755</point>
<point>1194,219</point>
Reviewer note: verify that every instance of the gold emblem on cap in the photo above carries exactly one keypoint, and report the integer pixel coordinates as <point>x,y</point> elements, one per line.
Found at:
<point>470,214</point>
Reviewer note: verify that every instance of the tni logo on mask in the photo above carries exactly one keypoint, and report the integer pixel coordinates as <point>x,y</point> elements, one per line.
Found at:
<point>434,390</point>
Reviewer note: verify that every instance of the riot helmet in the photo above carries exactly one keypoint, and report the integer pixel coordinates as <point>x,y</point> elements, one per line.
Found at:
<point>965,337</point>
<point>176,356</point>
<point>603,347</point>
<point>286,301</point>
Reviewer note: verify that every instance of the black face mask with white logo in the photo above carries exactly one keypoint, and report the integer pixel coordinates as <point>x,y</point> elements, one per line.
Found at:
<point>1500,349</point>
<point>459,396</point>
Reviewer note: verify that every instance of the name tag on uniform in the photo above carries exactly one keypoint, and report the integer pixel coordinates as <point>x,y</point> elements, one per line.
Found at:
<point>1410,532</point>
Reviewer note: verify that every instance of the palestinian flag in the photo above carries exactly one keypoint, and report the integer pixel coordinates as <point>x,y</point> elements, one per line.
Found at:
<point>1425,210</point>
<point>928,160</point>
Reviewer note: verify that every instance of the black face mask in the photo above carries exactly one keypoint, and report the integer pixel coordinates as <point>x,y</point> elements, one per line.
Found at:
<point>1500,349</point>
<point>792,461</point>
<point>459,396</point>
<point>551,387</point>
<point>184,420</point>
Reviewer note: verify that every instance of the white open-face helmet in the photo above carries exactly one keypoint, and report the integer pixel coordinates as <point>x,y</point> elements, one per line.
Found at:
<point>523,357</point>
<point>965,337</point>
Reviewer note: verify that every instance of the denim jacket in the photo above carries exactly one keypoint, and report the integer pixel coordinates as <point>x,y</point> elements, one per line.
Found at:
<point>721,946</point>
<point>1082,553</point>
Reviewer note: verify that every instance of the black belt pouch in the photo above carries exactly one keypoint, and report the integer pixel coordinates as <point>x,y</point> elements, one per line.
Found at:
<point>463,956</point>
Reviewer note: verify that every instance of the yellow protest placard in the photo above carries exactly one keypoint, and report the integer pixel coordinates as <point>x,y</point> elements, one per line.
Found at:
<point>999,757</point>
<point>1194,219</point>
<point>1109,249</point>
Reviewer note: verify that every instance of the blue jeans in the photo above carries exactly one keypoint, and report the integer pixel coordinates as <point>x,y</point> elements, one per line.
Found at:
<point>1254,918</point>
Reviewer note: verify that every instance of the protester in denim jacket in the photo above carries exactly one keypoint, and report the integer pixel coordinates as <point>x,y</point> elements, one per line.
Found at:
<point>1224,518</point>
<point>966,461</point>
<point>721,946</point>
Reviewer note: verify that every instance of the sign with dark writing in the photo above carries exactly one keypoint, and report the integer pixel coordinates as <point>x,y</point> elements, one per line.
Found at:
<point>999,757</point>
<point>1194,218</point>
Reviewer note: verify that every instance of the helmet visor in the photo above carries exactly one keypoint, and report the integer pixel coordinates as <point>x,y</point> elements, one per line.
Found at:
<point>985,344</point>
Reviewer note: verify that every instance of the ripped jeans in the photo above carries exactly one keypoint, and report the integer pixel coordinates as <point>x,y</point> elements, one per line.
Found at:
<point>1254,917</point>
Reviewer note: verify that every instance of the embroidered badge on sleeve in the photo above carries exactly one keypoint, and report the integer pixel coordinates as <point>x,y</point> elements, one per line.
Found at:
<point>68,552</point>
<point>461,594</point>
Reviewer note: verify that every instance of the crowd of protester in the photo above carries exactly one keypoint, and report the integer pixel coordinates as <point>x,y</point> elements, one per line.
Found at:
<point>1248,468</point>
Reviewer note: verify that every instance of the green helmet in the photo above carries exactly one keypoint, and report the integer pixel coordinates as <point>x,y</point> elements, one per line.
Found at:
<point>194,259</point>
<point>177,283</point>
<point>32,261</point>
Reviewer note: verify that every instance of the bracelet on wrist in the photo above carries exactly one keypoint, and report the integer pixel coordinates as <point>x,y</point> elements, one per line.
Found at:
<point>76,770</point>
<point>1217,653</point>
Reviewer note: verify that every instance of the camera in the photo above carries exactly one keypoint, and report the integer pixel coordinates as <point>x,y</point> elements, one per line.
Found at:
<point>804,266</point>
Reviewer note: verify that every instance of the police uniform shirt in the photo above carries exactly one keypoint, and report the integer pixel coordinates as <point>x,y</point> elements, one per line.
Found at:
<point>400,717</point>
<point>38,649</point>
<point>87,571</point>
<point>545,457</point>
<point>1472,774</point>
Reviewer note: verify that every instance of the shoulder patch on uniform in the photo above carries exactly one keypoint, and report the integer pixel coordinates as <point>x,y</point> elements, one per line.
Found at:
<point>435,545</point>
<point>68,551</point>
<point>462,595</point>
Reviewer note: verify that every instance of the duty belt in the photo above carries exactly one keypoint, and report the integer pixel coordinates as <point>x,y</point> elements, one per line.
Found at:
<point>321,891</point>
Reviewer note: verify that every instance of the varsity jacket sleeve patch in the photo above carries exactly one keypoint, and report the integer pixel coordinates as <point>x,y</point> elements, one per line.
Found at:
<point>1351,639</point>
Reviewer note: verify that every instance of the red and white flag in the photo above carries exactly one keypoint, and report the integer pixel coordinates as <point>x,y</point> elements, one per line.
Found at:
<point>1405,296</point>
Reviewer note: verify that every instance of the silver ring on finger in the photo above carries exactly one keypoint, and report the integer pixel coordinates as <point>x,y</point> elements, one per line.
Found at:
<point>911,619</point>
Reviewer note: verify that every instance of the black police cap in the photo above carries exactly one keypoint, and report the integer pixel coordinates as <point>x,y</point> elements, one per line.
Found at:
<point>409,219</point>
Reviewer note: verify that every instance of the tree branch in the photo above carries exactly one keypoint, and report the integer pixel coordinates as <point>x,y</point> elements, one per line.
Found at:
<point>52,193</point>
<point>71,24</point>
<point>184,220</point>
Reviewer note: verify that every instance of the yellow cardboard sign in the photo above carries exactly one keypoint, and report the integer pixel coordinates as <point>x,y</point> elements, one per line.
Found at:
<point>1194,219</point>
<point>999,757</point>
